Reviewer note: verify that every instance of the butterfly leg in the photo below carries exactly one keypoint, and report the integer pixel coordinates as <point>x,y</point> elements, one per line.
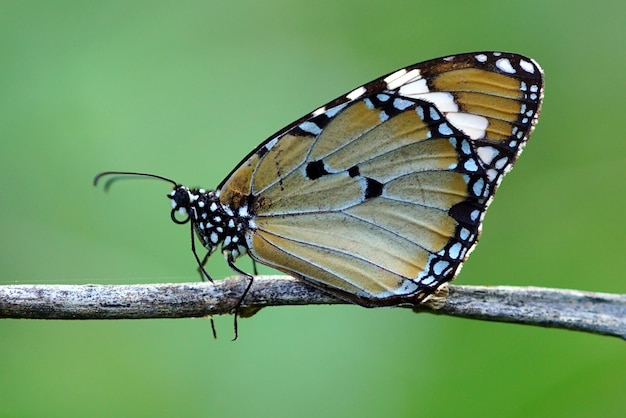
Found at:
<point>243,295</point>
<point>201,269</point>
<point>202,262</point>
<point>203,272</point>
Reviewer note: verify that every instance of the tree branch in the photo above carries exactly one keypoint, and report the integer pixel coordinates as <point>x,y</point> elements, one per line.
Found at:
<point>598,313</point>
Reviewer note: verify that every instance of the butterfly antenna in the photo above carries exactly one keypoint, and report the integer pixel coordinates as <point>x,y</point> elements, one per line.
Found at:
<point>118,175</point>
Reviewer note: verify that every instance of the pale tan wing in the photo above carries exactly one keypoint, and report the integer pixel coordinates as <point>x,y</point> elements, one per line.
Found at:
<point>380,195</point>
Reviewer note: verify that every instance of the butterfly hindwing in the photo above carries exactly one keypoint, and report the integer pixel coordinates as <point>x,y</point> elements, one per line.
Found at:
<point>379,195</point>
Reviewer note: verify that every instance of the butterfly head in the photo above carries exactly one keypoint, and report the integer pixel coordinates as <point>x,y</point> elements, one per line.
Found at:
<point>182,199</point>
<point>214,223</point>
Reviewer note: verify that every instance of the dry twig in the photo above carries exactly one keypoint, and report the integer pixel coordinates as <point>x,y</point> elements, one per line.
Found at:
<point>598,313</point>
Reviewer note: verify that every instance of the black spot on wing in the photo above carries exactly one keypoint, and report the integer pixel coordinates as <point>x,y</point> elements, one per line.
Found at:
<point>262,150</point>
<point>373,188</point>
<point>467,213</point>
<point>315,170</point>
<point>354,171</point>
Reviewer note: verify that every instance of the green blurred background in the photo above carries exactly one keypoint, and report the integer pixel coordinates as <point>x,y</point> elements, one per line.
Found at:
<point>185,89</point>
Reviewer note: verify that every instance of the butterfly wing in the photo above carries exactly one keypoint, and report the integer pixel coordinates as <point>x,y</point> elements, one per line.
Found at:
<point>380,195</point>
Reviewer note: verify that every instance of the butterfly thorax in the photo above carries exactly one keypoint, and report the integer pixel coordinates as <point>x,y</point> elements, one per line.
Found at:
<point>215,224</point>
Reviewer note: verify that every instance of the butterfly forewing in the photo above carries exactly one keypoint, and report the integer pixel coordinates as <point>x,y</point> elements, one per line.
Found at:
<point>379,195</point>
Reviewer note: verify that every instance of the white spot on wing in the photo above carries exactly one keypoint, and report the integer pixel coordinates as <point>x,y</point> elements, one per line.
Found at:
<point>428,280</point>
<point>505,65</point>
<point>402,77</point>
<point>310,127</point>
<point>465,147</point>
<point>473,126</point>
<point>444,129</point>
<point>481,57</point>
<point>440,266</point>
<point>355,94</point>
<point>455,251</point>
<point>401,104</point>
<point>486,154</point>
<point>332,112</point>
<point>394,76</point>
<point>470,165</point>
<point>444,101</point>
<point>319,111</point>
<point>501,163</point>
<point>269,145</point>
<point>527,66</point>
<point>478,187</point>
<point>415,87</point>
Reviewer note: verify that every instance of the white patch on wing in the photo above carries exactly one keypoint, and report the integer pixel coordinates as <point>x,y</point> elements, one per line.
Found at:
<point>356,93</point>
<point>442,100</point>
<point>415,87</point>
<point>319,111</point>
<point>505,65</point>
<point>401,104</point>
<point>310,127</point>
<point>481,57</point>
<point>270,144</point>
<point>393,76</point>
<point>333,111</point>
<point>473,126</point>
<point>402,77</point>
<point>486,154</point>
<point>527,66</point>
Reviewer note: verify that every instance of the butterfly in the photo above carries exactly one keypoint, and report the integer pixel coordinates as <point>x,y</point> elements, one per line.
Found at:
<point>377,197</point>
